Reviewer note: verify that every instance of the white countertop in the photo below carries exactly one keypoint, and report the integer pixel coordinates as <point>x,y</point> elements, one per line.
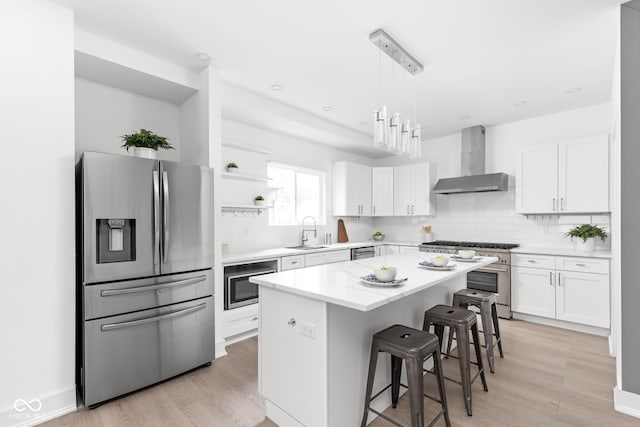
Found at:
<point>340,283</point>
<point>235,257</point>
<point>560,252</point>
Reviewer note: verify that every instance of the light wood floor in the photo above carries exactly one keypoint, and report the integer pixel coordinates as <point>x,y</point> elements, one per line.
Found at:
<point>549,377</point>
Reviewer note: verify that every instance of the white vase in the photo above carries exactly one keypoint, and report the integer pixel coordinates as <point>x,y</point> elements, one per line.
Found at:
<point>588,246</point>
<point>145,153</point>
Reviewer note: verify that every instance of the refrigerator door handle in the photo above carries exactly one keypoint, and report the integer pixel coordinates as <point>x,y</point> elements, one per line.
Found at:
<point>160,286</point>
<point>156,217</point>
<point>183,312</point>
<point>165,217</point>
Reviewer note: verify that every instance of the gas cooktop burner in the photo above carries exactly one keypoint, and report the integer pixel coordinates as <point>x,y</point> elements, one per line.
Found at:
<point>479,245</point>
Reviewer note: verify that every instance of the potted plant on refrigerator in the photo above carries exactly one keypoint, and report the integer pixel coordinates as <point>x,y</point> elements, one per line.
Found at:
<point>232,167</point>
<point>145,143</point>
<point>586,234</point>
<point>259,201</point>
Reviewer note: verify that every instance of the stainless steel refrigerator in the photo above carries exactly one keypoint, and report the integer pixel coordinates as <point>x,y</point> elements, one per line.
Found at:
<point>145,278</point>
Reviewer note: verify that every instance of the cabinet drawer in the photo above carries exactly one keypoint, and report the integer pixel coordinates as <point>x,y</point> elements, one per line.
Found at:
<point>242,324</point>
<point>292,262</point>
<point>586,265</point>
<point>338,256</point>
<point>408,249</point>
<point>315,259</point>
<point>533,261</point>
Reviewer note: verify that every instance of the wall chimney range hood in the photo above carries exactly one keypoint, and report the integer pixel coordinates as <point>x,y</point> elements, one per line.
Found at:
<point>473,179</point>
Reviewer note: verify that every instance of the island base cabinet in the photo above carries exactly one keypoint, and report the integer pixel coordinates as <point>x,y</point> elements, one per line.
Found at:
<point>583,298</point>
<point>293,366</point>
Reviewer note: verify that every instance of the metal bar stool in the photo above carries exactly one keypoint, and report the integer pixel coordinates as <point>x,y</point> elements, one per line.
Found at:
<point>462,321</point>
<point>412,346</point>
<point>486,302</point>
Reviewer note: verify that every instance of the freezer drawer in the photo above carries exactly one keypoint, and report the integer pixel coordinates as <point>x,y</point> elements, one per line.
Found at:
<point>128,352</point>
<point>109,299</point>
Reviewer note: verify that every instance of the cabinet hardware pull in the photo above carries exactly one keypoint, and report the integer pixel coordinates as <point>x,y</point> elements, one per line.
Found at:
<point>294,262</point>
<point>254,319</point>
<point>531,260</point>
<point>291,322</point>
<point>551,278</point>
<point>554,203</point>
<point>581,265</point>
<point>559,279</point>
<point>408,210</point>
<point>374,209</point>
<point>561,203</point>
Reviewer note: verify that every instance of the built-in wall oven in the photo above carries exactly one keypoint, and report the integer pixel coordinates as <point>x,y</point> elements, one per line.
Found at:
<point>238,291</point>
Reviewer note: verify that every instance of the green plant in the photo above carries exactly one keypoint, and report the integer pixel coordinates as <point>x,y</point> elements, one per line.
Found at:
<point>587,231</point>
<point>232,166</point>
<point>259,198</point>
<point>146,139</point>
<point>377,233</point>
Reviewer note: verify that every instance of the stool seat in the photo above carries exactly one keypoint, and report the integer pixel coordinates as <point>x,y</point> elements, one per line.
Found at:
<point>473,296</point>
<point>451,315</point>
<point>401,341</point>
<point>411,346</point>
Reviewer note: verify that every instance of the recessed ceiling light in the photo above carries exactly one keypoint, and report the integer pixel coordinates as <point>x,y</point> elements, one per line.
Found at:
<point>276,87</point>
<point>520,103</point>
<point>573,90</point>
<point>327,108</point>
<point>464,117</point>
<point>202,57</point>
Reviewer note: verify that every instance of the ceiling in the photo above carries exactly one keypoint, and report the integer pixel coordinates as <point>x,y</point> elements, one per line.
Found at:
<point>486,61</point>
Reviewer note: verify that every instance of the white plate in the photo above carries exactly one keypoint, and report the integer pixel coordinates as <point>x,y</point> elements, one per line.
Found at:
<point>459,258</point>
<point>371,280</point>
<point>429,266</point>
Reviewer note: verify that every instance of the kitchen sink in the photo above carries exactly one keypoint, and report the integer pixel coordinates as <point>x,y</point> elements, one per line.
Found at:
<point>306,247</point>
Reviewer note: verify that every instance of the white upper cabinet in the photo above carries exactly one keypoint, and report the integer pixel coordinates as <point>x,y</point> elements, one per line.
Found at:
<point>565,177</point>
<point>382,191</point>
<point>351,189</point>
<point>583,175</point>
<point>412,185</point>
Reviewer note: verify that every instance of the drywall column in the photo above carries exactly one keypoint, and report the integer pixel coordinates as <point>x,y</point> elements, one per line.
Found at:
<point>37,320</point>
<point>628,393</point>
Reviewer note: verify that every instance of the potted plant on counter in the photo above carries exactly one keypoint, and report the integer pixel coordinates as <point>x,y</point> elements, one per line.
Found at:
<point>586,234</point>
<point>145,143</point>
<point>232,167</point>
<point>378,236</point>
<point>259,200</point>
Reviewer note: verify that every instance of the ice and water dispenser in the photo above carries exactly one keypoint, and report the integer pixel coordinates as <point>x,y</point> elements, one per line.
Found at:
<point>116,239</point>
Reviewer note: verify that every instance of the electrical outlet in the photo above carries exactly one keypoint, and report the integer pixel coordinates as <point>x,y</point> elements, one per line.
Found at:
<point>308,329</point>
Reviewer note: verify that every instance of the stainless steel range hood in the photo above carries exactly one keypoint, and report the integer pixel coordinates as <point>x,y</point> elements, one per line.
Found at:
<point>473,179</point>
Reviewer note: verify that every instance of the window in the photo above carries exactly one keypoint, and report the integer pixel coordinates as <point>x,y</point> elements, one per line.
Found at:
<point>299,192</point>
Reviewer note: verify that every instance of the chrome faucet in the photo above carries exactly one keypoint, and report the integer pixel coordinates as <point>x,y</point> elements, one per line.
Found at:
<point>303,238</point>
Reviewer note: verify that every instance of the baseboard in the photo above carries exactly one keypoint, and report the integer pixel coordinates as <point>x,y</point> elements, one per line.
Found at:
<point>241,337</point>
<point>626,402</point>
<point>593,330</point>
<point>30,412</point>
<point>221,348</point>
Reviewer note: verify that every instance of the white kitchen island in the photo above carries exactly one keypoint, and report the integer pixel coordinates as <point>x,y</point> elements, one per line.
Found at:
<point>315,334</point>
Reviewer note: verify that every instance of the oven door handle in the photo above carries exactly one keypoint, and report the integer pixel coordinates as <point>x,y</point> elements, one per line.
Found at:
<point>255,273</point>
<point>499,270</point>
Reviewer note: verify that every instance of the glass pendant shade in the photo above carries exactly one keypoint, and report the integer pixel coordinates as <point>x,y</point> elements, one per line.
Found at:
<point>394,133</point>
<point>380,127</point>
<point>416,149</point>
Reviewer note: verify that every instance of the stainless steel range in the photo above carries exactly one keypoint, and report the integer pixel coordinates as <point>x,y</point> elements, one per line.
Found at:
<point>494,278</point>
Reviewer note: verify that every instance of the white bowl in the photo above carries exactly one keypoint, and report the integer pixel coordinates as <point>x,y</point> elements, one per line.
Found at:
<point>466,254</point>
<point>386,275</point>
<point>439,260</point>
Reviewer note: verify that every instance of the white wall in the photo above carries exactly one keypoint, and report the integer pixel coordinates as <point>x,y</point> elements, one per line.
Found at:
<point>104,113</point>
<point>37,245</point>
<point>250,232</point>
<point>491,216</point>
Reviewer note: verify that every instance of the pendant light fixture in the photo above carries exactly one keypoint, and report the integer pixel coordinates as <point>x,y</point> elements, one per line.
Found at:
<point>390,131</point>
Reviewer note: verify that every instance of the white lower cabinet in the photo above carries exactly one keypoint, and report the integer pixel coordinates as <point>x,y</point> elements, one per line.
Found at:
<point>409,250</point>
<point>240,320</point>
<point>291,262</point>
<point>381,250</point>
<point>576,290</point>
<point>392,249</point>
<point>326,257</point>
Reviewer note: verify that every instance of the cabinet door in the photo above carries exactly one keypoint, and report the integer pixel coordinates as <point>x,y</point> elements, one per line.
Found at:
<point>583,175</point>
<point>382,191</point>
<point>358,183</point>
<point>316,259</point>
<point>533,291</point>
<point>392,249</point>
<point>537,180</point>
<point>381,250</point>
<point>402,190</point>
<point>421,190</point>
<point>583,298</point>
<point>409,250</point>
